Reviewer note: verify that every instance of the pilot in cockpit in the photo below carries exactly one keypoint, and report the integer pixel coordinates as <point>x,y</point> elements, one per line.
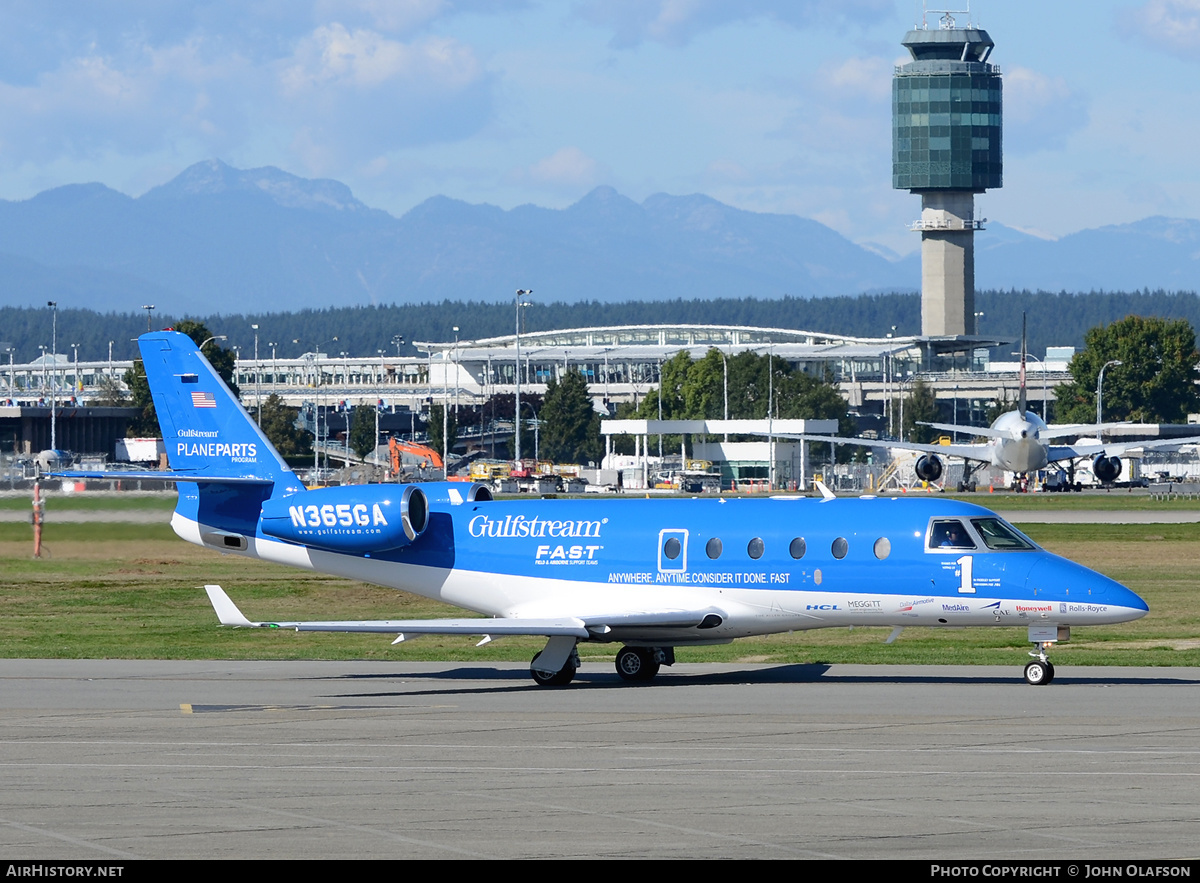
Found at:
<point>950,535</point>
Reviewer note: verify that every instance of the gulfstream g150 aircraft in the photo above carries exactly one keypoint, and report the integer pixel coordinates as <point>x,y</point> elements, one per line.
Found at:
<point>652,575</point>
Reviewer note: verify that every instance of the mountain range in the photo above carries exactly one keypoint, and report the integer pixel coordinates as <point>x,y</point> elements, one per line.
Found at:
<point>216,239</point>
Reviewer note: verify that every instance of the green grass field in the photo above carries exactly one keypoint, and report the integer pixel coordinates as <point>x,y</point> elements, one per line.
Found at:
<point>112,590</point>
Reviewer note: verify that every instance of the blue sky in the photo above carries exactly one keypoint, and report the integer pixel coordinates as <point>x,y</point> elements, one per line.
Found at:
<point>766,105</point>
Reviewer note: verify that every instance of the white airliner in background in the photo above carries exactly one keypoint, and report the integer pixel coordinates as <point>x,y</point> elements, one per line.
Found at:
<point>1018,441</point>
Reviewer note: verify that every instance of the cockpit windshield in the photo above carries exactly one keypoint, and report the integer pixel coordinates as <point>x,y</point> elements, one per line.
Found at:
<point>999,536</point>
<point>949,533</point>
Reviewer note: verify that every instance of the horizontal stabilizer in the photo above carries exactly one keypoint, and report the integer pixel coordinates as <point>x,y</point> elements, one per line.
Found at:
<point>165,475</point>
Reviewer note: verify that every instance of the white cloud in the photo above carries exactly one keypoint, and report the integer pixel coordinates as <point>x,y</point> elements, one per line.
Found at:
<point>867,77</point>
<point>568,166</point>
<point>1040,112</point>
<point>676,22</point>
<point>564,175</point>
<point>335,56</point>
<point>1171,26</point>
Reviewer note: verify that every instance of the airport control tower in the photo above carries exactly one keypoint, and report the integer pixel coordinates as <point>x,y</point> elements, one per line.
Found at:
<point>946,146</point>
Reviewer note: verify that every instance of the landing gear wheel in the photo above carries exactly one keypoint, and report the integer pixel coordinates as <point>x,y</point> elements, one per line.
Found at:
<point>1038,673</point>
<point>560,678</point>
<point>637,664</point>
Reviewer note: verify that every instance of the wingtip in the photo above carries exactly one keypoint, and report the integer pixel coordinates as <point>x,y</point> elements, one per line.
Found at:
<point>227,612</point>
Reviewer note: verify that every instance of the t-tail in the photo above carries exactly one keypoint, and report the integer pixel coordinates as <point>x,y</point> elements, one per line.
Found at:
<point>225,466</point>
<point>1021,396</point>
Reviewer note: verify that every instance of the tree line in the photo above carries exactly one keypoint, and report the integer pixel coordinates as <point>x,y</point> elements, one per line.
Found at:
<point>1060,318</point>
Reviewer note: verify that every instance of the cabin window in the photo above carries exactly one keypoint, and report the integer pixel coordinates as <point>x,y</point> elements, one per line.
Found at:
<point>713,548</point>
<point>797,548</point>
<point>840,547</point>
<point>883,548</point>
<point>755,548</point>
<point>672,550</point>
<point>999,536</point>
<point>949,534</point>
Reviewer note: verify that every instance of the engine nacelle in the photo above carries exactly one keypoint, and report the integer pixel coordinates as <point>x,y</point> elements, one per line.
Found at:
<point>929,467</point>
<point>1106,469</point>
<point>357,519</point>
<point>454,493</point>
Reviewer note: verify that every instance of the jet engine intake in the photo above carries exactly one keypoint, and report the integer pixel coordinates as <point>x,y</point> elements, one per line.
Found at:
<point>929,467</point>
<point>1106,469</point>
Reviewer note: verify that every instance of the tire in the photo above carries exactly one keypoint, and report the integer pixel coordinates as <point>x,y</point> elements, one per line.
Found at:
<point>1038,673</point>
<point>636,664</point>
<point>560,678</point>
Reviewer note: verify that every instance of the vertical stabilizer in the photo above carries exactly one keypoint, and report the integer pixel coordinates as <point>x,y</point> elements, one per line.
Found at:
<point>206,431</point>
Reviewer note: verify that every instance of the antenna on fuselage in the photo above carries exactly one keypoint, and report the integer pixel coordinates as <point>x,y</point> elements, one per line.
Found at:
<point>1021,395</point>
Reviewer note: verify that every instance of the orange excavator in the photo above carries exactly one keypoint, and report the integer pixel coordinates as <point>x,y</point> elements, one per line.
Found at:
<point>408,457</point>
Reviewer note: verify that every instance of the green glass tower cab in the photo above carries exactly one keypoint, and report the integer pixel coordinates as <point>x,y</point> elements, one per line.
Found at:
<point>946,146</point>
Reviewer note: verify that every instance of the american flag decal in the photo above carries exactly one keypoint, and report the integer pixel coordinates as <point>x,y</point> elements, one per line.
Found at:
<point>203,400</point>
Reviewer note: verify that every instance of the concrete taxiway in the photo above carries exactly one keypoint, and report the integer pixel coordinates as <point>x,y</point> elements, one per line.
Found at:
<point>119,760</point>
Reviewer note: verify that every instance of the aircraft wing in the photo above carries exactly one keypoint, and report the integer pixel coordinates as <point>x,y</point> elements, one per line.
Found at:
<point>569,626</point>
<point>1073,452</point>
<point>1059,430</point>
<point>966,452</point>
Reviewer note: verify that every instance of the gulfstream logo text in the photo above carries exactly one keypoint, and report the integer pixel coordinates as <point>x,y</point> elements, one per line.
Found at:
<point>520,526</point>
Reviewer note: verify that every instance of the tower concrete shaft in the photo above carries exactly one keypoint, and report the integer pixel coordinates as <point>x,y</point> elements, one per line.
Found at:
<point>947,228</point>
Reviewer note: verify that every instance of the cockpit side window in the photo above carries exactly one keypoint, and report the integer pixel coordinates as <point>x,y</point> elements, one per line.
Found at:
<point>1000,536</point>
<point>949,533</point>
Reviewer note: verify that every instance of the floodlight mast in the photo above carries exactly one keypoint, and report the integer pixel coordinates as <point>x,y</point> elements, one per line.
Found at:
<point>521,292</point>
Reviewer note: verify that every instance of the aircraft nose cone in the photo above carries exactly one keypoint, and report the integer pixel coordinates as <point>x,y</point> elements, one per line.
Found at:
<point>1057,577</point>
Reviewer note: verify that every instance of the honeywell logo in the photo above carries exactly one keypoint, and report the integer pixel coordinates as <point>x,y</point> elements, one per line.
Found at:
<point>520,526</point>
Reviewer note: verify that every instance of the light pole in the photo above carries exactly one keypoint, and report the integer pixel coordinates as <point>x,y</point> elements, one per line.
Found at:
<point>978,316</point>
<point>149,308</point>
<point>53,305</point>
<point>257,388</point>
<point>456,383</point>
<point>75,388</point>
<point>317,408</point>
<point>770,417</point>
<point>521,292</point>
<point>1100,395</point>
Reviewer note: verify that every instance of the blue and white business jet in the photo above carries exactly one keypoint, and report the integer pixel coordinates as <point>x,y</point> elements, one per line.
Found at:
<point>652,575</point>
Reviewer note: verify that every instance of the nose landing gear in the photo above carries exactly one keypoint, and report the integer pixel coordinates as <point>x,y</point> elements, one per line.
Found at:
<point>1040,670</point>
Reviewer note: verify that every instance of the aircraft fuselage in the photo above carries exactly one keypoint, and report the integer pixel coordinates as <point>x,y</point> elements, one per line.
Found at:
<point>763,566</point>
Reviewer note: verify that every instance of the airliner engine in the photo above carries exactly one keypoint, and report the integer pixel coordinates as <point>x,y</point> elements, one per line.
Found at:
<point>1106,469</point>
<point>929,467</point>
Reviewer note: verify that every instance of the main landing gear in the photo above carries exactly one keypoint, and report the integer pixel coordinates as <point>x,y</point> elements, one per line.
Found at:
<point>558,663</point>
<point>642,663</point>
<point>1040,670</point>
<point>559,678</point>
